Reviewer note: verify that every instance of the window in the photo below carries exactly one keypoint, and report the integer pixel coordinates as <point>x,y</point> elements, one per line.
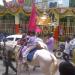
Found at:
<point>10,39</point>
<point>7,23</point>
<point>52,4</point>
<point>17,39</point>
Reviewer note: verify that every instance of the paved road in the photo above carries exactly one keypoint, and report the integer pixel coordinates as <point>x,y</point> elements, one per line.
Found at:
<point>2,69</point>
<point>31,72</point>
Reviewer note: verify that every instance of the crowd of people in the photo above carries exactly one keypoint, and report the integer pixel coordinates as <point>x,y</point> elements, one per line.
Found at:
<point>69,47</point>
<point>67,67</point>
<point>31,41</point>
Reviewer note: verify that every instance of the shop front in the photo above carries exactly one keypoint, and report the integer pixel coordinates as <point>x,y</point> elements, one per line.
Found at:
<point>67,23</point>
<point>14,16</point>
<point>15,19</point>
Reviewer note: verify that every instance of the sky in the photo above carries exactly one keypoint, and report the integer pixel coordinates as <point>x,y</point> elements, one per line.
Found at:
<point>1,2</point>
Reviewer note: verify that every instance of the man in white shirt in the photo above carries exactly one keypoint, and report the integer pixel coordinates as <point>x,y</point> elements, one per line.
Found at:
<point>72,42</point>
<point>67,50</point>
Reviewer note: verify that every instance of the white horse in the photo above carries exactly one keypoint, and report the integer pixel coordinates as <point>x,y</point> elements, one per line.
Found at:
<point>42,58</point>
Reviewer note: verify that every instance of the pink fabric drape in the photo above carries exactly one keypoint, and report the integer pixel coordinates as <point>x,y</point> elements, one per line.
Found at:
<point>38,29</point>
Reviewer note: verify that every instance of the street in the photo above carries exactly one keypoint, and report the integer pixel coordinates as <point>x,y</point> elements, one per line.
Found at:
<point>2,69</point>
<point>30,72</point>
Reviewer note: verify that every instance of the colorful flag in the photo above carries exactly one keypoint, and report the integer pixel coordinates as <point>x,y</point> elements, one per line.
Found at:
<point>32,21</point>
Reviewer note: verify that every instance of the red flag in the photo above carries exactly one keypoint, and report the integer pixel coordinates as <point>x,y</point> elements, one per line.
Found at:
<point>32,21</point>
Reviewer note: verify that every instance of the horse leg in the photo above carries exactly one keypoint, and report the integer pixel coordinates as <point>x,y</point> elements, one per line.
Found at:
<point>26,66</point>
<point>18,68</point>
<point>53,68</point>
<point>45,68</point>
<point>48,69</point>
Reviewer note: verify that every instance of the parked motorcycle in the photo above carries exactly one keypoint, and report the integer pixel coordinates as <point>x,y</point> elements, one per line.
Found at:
<point>59,52</point>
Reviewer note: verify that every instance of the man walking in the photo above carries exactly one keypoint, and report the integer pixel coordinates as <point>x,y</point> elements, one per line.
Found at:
<point>50,42</point>
<point>8,62</point>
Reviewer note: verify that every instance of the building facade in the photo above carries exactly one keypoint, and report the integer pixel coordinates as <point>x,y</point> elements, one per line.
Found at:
<point>14,16</point>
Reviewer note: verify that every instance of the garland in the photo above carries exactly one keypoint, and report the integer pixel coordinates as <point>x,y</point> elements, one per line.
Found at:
<point>61,10</point>
<point>15,10</point>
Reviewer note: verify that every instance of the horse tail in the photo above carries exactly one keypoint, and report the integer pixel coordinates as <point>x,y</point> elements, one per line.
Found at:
<point>54,65</point>
<point>53,58</point>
